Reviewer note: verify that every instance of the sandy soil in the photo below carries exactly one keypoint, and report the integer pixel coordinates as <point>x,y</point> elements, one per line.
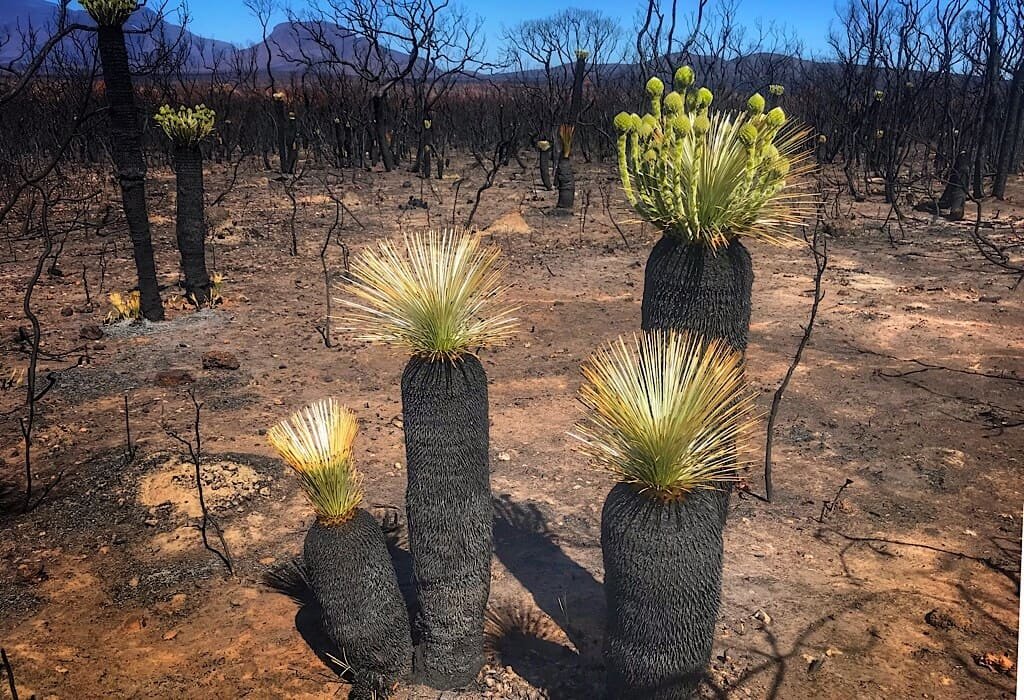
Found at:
<point>911,389</point>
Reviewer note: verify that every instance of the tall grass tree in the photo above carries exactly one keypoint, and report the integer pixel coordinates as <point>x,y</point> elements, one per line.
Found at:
<point>186,127</point>
<point>126,142</point>
<point>438,295</point>
<point>707,180</point>
<point>345,553</point>
<point>664,413</point>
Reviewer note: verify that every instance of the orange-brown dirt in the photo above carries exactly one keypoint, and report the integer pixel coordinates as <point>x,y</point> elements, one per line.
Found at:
<point>911,388</point>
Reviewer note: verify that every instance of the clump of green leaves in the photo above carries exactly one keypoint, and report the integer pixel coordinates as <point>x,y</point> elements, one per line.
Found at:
<point>665,411</point>
<point>438,295</point>
<point>110,13</point>
<point>710,177</point>
<point>316,442</point>
<point>186,125</point>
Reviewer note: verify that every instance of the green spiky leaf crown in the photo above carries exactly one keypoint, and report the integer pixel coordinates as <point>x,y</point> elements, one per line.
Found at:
<point>665,412</point>
<point>708,177</point>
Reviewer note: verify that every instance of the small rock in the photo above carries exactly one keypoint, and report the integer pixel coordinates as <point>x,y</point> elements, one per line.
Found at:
<point>172,377</point>
<point>940,620</point>
<point>762,616</point>
<point>168,636</point>
<point>989,299</point>
<point>504,456</point>
<point>90,332</point>
<point>264,491</point>
<point>67,311</point>
<point>220,359</point>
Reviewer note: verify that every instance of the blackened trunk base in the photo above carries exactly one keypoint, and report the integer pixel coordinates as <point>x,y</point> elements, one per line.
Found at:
<point>191,225</point>
<point>130,163</point>
<point>448,499</point>
<point>689,287</point>
<point>663,579</point>
<point>364,614</point>
<point>566,184</point>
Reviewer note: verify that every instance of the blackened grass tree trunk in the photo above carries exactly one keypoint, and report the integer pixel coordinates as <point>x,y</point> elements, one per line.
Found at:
<point>448,499</point>
<point>439,296</point>
<point>186,128</point>
<point>664,414</point>
<point>346,559</point>
<point>565,179</point>
<point>544,149</point>
<point>126,144</point>
<point>663,581</point>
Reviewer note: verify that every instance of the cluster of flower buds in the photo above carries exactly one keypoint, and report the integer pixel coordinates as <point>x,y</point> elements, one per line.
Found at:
<point>665,155</point>
<point>110,13</point>
<point>186,125</point>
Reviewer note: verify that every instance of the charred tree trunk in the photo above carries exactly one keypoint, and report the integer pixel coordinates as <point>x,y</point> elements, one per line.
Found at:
<point>544,147</point>
<point>381,133</point>
<point>662,580</point>
<point>448,499</point>
<point>130,163</point>
<point>955,194</point>
<point>191,224</point>
<point>427,150</point>
<point>988,114</point>
<point>1005,160</point>
<point>364,614</point>
<point>565,181</point>
<point>691,288</point>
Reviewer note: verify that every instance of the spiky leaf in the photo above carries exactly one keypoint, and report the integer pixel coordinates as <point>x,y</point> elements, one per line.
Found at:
<point>665,411</point>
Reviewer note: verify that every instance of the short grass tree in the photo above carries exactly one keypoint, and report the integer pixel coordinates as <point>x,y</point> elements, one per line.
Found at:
<point>345,553</point>
<point>664,414</point>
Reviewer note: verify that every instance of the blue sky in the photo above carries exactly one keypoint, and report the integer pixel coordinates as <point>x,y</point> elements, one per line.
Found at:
<point>808,19</point>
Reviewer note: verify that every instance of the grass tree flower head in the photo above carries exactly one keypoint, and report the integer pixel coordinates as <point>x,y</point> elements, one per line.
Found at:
<point>110,13</point>
<point>710,176</point>
<point>665,411</point>
<point>438,294</point>
<point>776,90</point>
<point>187,125</point>
<point>316,442</point>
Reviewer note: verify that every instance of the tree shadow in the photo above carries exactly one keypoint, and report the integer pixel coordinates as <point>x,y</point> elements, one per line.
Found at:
<point>289,578</point>
<point>568,593</point>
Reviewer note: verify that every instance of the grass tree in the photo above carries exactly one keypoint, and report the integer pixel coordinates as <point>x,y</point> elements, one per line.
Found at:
<point>664,412</point>
<point>346,557</point>
<point>126,142</point>
<point>707,180</point>
<point>438,295</point>
<point>186,127</point>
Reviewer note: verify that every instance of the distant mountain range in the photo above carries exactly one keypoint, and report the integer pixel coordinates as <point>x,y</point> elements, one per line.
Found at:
<point>292,44</point>
<point>33,21</point>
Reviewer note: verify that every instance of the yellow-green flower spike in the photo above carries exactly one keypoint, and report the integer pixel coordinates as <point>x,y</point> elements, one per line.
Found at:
<point>776,117</point>
<point>701,124</point>
<point>673,103</point>
<point>623,122</point>
<point>655,87</point>
<point>748,135</point>
<point>755,105</point>
<point>704,98</point>
<point>186,125</point>
<point>776,90</point>
<point>684,78</point>
<point>110,13</point>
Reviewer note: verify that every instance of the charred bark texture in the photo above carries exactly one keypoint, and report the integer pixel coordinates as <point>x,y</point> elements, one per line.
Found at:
<point>130,163</point>
<point>663,579</point>
<point>191,225</point>
<point>689,287</point>
<point>448,500</point>
<point>545,167</point>
<point>565,181</point>
<point>381,132</point>
<point>364,614</point>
